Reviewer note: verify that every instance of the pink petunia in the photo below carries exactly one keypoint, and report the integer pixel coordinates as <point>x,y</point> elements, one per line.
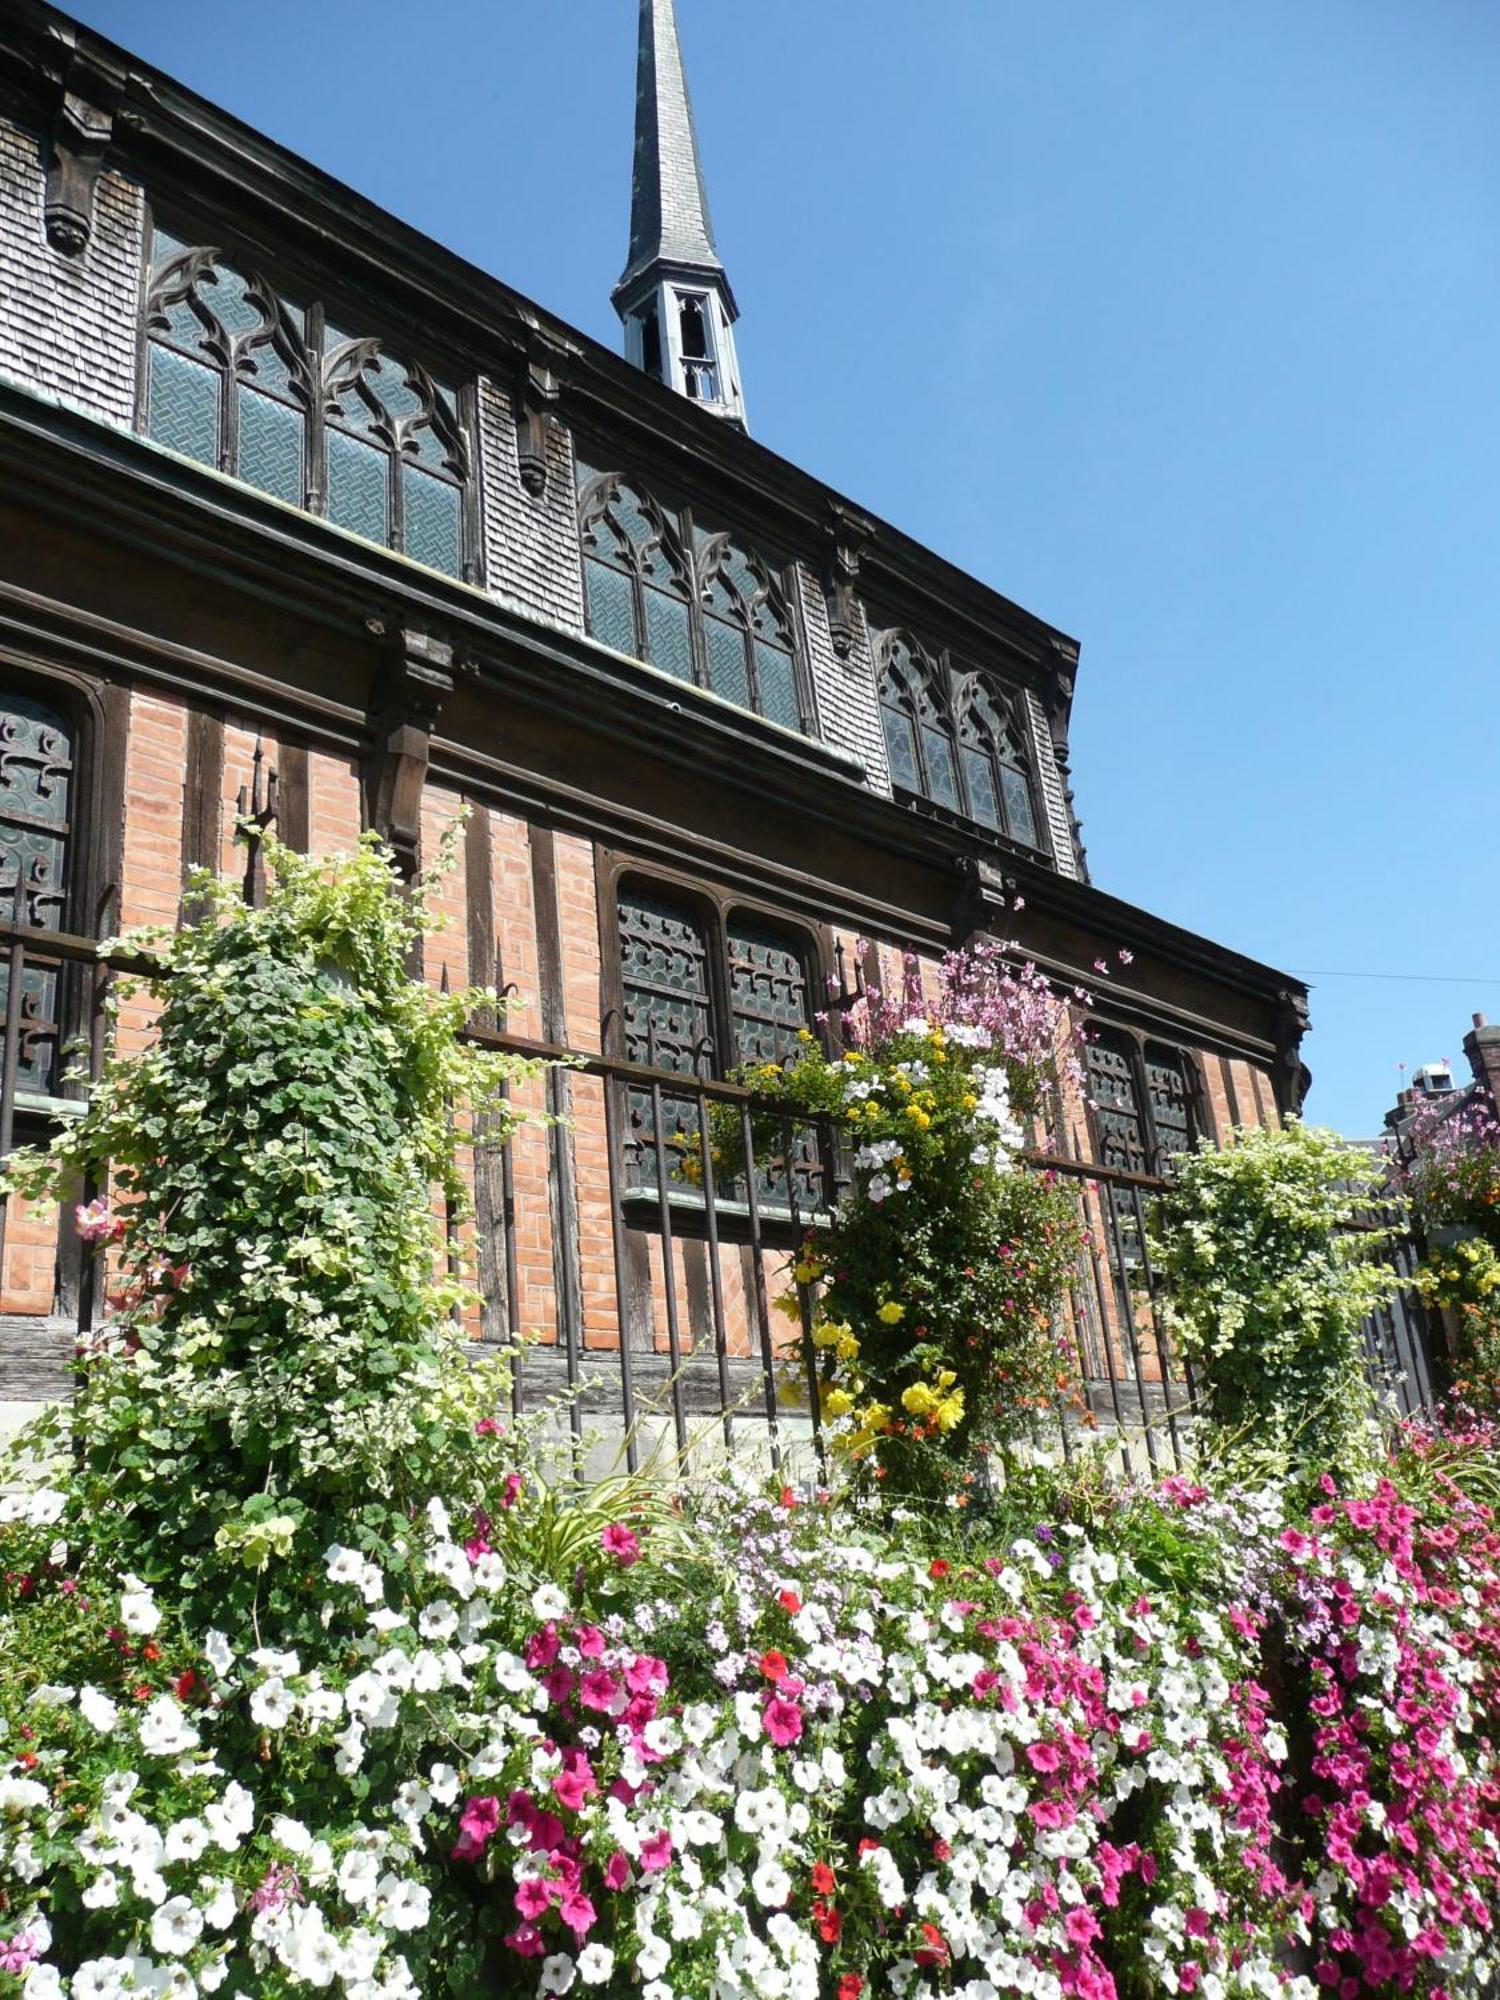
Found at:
<point>620,1543</point>
<point>656,1852</point>
<point>783,1720</point>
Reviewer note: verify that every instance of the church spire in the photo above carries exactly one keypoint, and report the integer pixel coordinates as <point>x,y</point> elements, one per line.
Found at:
<point>675,297</point>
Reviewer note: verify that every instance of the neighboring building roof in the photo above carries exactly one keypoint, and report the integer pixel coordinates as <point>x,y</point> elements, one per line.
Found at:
<point>669,218</point>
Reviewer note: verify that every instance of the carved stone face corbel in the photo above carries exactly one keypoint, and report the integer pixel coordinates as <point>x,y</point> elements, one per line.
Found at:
<point>83,128</point>
<point>414,681</point>
<point>848,534</point>
<point>543,361</point>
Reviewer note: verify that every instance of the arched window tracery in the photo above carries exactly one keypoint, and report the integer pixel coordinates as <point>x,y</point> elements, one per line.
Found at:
<point>956,741</point>
<point>241,378</point>
<point>690,600</point>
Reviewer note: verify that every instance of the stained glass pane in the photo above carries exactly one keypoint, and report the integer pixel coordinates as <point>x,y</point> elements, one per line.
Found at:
<point>1020,814</point>
<point>387,378</point>
<point>270,445</point>
<point>635,523</point>
<point>901,750</point>
<point>728,673</point>
<point>36,772</point>
<point>433,520</point>
<point>428,448</point>
<point>183,405</point>
<point>164,247</point>
<point>768,992</point>
<point>267,368</point>
<point>225,293</point>
<point>778,685</point>
<point>358,495</point>
<point>979,776</point>
<point>942,781</point>
<point>1112,1086</point>
<point>1171,1102</point>
<point>668,1020</point>
<point>668,640</point>
<point>184,326</point>
<point>769,998</point>
<point>611,603</point>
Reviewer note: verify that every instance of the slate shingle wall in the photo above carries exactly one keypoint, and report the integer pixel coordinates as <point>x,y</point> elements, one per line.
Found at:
<point>848,714</point>
<point>1054,798</point>
<point>68,324</point>
<point>531,546</point>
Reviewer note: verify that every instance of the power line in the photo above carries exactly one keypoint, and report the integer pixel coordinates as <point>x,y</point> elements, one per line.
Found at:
<point>1415,979</point>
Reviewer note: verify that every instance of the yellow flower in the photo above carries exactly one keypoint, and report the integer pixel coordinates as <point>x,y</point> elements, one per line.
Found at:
<point>891,1313</point>
<point>848,1347</point>
<point>789,1304</point>
<point>901,1083</point>
<point>920,1118</point>
<point>806,1273</point>
<point>950,1412</point>
<point>919,1400</point>
<point>831,1333</point>
<point>971,1102</point>
<point>837,1403</point>
<point>875,1417</point>
<point>804,1034</point>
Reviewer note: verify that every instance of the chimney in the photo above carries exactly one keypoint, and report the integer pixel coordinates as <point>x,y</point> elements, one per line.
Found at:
<point>1482,1047</point>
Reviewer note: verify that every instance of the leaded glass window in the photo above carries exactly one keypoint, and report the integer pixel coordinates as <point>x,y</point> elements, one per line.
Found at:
<point>37,780</point>
<point>977,766</point>
<point>676,961</point>
<point>1113,1087</point>
<point>996,780</point>
<point>692,602</point>
<point>242,379</point>
<point>668,1023</point>
<point>1169,1091</point>
<point>918,730</point>
<point>1143,1102</point>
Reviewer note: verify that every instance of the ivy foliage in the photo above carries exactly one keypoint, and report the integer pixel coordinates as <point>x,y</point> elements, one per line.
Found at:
<point>281,1339</point>
<point>1271,1272</point>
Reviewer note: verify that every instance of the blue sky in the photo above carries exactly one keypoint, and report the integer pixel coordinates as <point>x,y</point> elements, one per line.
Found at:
<point>1176,320</point>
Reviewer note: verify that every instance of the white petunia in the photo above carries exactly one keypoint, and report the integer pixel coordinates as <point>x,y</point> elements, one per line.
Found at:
<point>138,1610</point>
<point>165,1731</point>
<point>98,1710</point>
<point>558,1973</point>
<point>176,1927</point>
<point>359,1871</point>
<point>186,1840</point>
<point>595,1964</point>
<point>273,1704</point>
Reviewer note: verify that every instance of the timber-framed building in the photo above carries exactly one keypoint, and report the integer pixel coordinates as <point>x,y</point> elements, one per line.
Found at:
<point>283,479</point>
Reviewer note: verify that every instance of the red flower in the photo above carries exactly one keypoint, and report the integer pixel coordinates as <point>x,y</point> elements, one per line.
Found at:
<point>790,1602</point>
<point>822,1879</point>
<point>774,1665</point>
<point>788,1497</point>
<point>851,1986</point>
<point>937,1568</point>
<point>186,1685</point>
<point>935,1951</point>
<point>829,1924</point>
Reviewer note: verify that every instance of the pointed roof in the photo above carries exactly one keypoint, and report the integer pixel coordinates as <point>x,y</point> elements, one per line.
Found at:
<point>669,219</point>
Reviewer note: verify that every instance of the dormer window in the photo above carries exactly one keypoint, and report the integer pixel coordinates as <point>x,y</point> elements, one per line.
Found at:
<point>243,379</point>
<point>956,740</point>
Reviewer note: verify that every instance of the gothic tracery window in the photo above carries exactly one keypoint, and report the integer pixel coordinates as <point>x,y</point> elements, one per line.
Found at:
<point>962,748</point>
<point>1142,1098</point>
<point>242,379</point>
<point>37,786</point>
<point>688,600</point>
<point>703,992</point>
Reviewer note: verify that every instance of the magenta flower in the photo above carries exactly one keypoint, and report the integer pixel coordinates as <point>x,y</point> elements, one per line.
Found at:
<point>19,1952</point>
<point>533,1896</point>
<point>95,1224</point>
<point>620,1543</point>
<point>617,1872</point>
<point>656,1852</point>
<point>578,1913</point>
<point>783,1720</point>
<point>478,1824</point>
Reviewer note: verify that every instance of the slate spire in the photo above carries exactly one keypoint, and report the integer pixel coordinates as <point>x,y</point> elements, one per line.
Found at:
<point>674,295</point>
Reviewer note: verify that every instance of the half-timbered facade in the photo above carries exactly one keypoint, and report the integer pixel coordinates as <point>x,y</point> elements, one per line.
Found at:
<point>286,487</point>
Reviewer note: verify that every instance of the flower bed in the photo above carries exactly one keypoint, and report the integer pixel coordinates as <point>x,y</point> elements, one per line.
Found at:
<point>311,1682</point>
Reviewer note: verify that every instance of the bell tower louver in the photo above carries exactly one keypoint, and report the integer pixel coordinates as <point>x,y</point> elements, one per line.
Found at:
<point>675,297</point>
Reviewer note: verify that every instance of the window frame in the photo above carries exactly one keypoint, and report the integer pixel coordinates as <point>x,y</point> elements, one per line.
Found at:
<point>715,908</point>
<point>317,302</point>
<point>98,713</point>
<point>682,530</point>
<point>1137,1046</point>
<point>949,688</point>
